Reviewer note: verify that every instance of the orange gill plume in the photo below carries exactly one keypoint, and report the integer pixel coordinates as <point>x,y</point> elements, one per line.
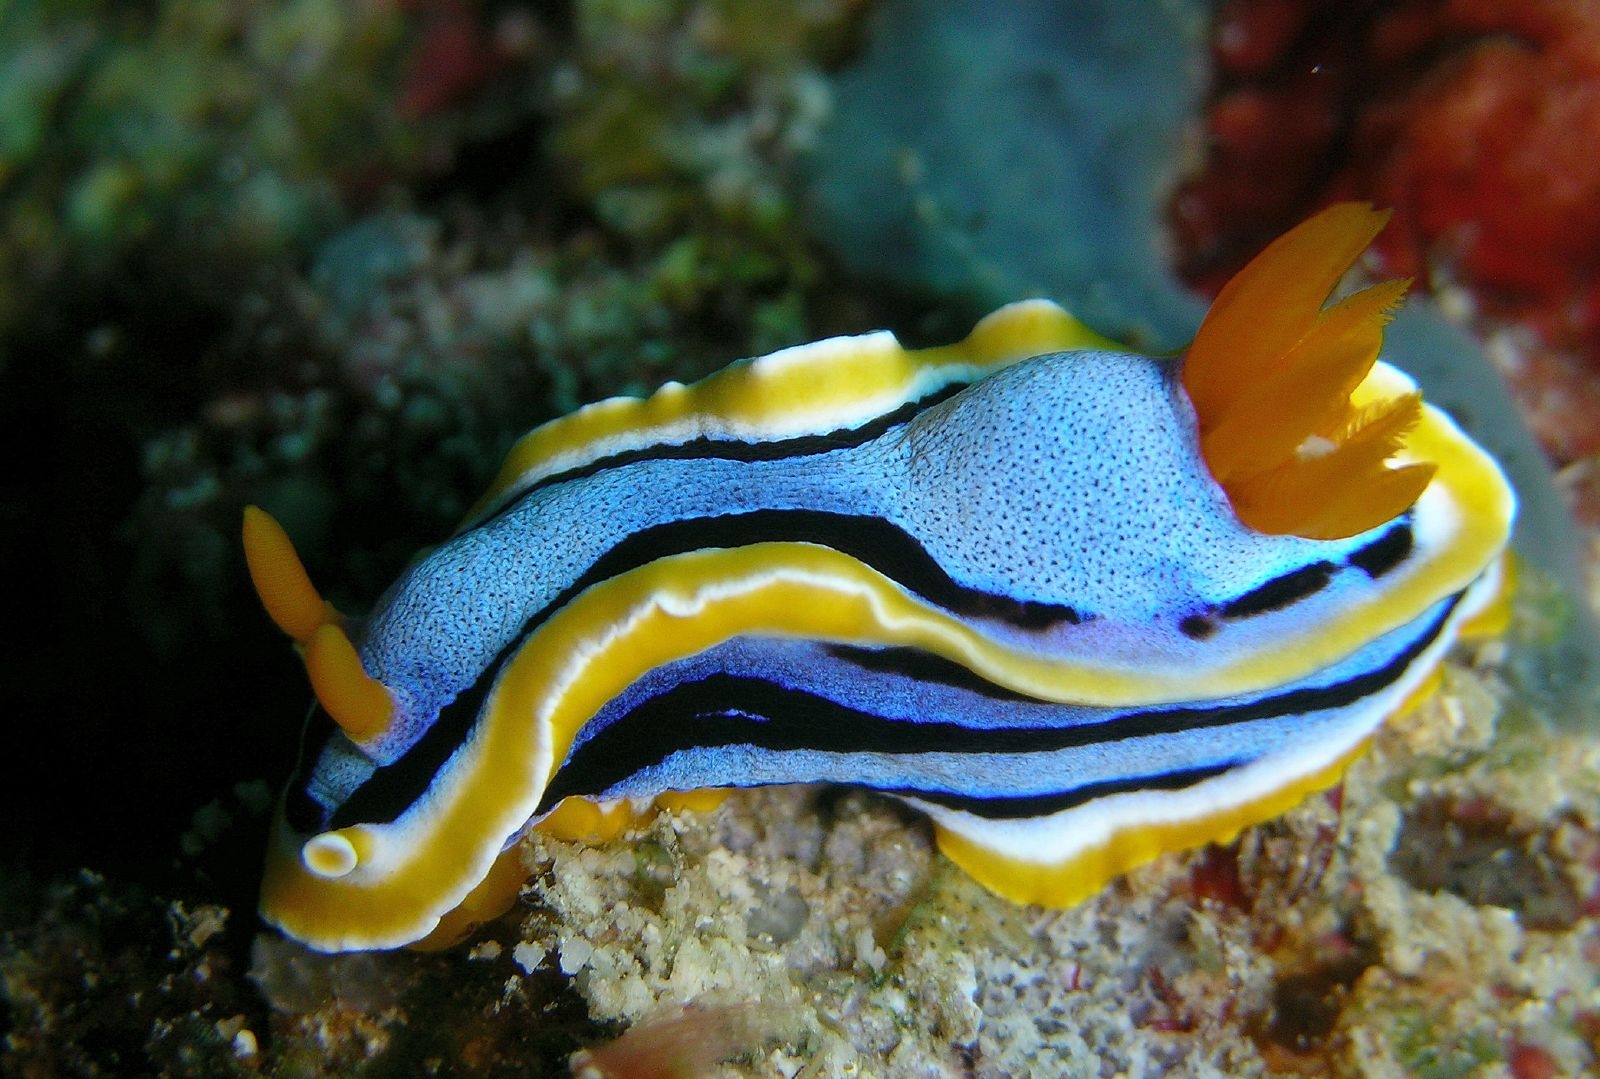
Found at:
<point>359,703</point>
<point>1271,374</point>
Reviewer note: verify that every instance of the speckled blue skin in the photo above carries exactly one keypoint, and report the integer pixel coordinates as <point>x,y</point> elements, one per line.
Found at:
<point>1071,478</point>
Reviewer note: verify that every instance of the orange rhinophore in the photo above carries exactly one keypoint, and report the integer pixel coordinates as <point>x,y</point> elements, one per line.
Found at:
<point>358,703</point>
<point>280,580</point>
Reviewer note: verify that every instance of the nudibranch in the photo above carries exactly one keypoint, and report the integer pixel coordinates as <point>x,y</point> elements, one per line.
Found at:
<point>1078,606</point>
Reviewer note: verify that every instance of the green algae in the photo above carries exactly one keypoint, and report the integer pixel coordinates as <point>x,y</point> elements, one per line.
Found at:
<point>201,136</point>
<point>1429,1053</point>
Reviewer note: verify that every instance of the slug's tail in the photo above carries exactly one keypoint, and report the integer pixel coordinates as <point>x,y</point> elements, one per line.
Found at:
<point>359,703</point>
<point>1271,375</point>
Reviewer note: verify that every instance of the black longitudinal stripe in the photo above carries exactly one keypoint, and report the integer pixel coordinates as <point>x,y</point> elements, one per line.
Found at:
<point>878,543</point>
<point>1042,805</point>
<point>727,710</point>
<point>730,449</point>
<point>923,666</point>
<point>883,545</point>
<point>1279,592</point>
<point>1384,553</point>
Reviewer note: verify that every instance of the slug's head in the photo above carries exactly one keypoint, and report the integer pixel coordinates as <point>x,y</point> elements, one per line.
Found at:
<point>1276,381</point>
<point>333,882</point>
<point>360,705</point>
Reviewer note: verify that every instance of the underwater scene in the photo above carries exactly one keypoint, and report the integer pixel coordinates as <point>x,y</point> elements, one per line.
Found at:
<point>650,539</point>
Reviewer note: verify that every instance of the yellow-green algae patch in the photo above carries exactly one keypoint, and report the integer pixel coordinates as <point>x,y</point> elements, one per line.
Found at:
<point>1326,943</point>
